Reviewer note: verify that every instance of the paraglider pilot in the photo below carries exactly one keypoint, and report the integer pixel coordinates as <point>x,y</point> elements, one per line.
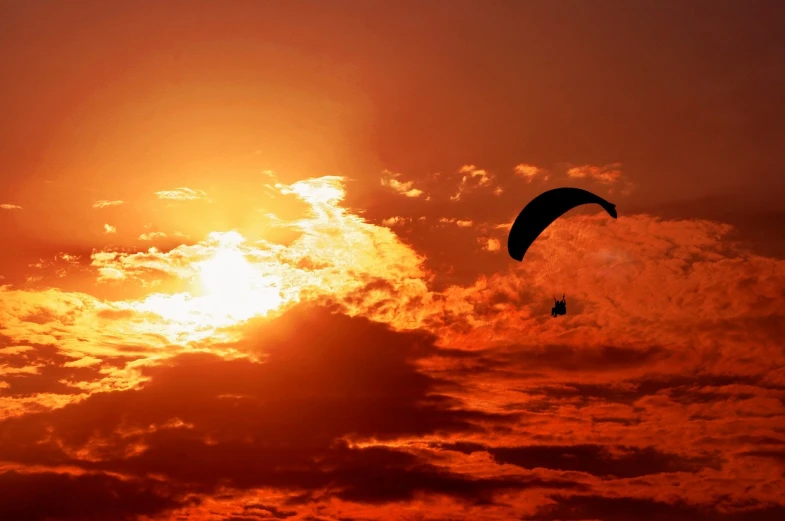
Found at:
<point>559,306</point>
<point>539,213</point>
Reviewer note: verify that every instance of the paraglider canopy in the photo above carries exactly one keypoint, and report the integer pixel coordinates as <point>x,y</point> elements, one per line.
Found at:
<point>543,210</point>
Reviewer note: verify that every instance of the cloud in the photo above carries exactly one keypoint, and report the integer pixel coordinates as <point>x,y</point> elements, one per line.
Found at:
<point>273,511</point>
<point>43,369</point>
<point>292,420</point>
<point>151,236</point>
<point>6,206</point>
<point>607,174</point>
<point>599,460</point>
<point>391,180</point>
<point>108,229</point>
<point>341,252</point>
<point>59,265</point>
<point>83,362</point>
<point>530,172</point>
<point>662,387</point>
<point>343,423</point>
<point>460,223</point>
<point>106,204</point>
<point>609,508</point>
<point>667,260</point>
<point>472,178</point>
<point>81,496</point>
<point>490,244</point>
<point>395,221</point>
<point>69,259</point>
<point>183,194</point>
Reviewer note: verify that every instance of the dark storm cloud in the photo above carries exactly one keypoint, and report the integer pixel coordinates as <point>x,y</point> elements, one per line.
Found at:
<point>682,389</point>
<point>527,361</point>
<point>599,460</point>
<point>272,511</point>
<point>47,496</point>
<point>577,508</point>
<point>205,422</point>
<point>39,368</point>
<point>776,455</point>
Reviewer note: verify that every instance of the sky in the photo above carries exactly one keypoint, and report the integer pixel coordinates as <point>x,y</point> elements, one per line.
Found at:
<point>254,261</point>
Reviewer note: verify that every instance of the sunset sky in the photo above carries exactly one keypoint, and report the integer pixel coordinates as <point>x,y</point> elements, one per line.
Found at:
<point>254,260</point>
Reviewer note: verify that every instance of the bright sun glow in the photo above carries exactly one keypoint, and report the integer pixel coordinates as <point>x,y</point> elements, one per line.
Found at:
<point>234,288</point>
<point>228,273</point>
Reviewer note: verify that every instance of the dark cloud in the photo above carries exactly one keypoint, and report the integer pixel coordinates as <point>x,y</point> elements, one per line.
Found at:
<point>385,483</point>
<point>760,440</point>
<point>309,412</point>
<point>268,510</point>
<point>682,389</point>
<point>49,496</point>
<point>206,422</point>
<point>42,369</point>
<point>776,455</point>
<point>527,361</point>
<point>603,508</point>
<point>599,460</point>
<point>573,358</point>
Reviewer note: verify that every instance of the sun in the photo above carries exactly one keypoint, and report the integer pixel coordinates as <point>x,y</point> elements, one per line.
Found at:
<point>236,288</point>
<point>226,273</point>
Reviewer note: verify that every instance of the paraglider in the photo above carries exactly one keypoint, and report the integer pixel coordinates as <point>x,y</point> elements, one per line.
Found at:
<point>543,210</point>
<point>540,213</point>
<point>559,306</point>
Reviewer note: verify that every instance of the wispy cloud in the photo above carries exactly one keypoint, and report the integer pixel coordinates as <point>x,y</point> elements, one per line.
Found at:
<point>151,236</point>
<point>349,235</point>
<point>457,222</point>
<point>407,189</point>
<point>530,172</point>
<point>70,259</point>
<point>183,194</point>
<point>606,174</point>
<point>490,244</point>
<point>508,408</point>
<point>106,204</point>
<point>472,178</point>
<point>6,206</point>
<point>395,221</point>
<point>108,228</point>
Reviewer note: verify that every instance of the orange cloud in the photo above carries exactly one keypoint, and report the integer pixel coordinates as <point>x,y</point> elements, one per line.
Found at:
<point>6,206</point>
<point>607,174</point>
<point>106,204</point>
<point>109,229</point>
<point>404,188</point>
<point>491,244</point>
<point>457,222</point>
<point>395,221</point>
<point>638,281</point>
<point>472,178</point>
<point>672,331</point>
<point>530,172</point>
<point>183,194</point>
<point>151,236</point>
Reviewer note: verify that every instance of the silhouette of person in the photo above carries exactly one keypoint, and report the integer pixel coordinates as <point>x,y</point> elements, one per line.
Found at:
<point>559,307</point>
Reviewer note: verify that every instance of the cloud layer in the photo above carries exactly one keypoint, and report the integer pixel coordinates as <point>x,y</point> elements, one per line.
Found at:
<point>327,377</point>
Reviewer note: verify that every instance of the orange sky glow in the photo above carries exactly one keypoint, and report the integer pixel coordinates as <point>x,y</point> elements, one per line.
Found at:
<point>254,261</point>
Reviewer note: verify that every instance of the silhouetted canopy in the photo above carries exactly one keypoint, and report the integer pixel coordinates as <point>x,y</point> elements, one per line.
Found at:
<point>543,210</point>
